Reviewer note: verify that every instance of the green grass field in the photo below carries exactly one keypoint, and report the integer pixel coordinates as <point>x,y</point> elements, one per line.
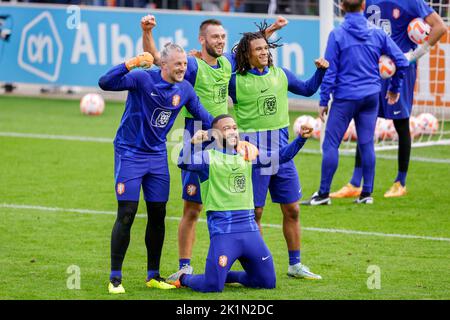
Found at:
<point>38,242</point>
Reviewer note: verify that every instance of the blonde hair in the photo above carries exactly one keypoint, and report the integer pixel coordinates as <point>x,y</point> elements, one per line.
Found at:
<point>168,48</point>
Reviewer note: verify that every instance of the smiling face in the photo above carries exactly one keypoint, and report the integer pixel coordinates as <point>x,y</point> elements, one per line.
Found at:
<point>213,40</point>
<point>173,67</point>
<point>259,53</point>
<point>226,133</point>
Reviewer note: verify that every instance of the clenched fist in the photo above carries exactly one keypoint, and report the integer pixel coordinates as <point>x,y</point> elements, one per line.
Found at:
<point>305,131</point>
<point>321,63</point>
<point>280,23</point>
<point>148,22</point>
<point>199,137</point>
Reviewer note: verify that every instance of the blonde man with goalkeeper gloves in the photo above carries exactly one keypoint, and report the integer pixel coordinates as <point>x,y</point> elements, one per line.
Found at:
<point>155,98</point>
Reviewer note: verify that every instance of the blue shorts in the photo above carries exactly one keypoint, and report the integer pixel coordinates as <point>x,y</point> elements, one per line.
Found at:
<point>247,247</point>
<point>151,171</point>
<point>402,109</point>
<point>284,186</point>
<point>191,186</point>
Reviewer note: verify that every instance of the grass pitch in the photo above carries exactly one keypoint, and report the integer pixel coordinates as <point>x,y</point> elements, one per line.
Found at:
<point>47,182</point>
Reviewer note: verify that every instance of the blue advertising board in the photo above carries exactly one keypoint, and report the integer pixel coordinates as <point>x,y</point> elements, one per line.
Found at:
<point>64,45</point>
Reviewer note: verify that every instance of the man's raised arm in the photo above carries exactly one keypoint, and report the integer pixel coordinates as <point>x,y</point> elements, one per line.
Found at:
<point>148,42</point>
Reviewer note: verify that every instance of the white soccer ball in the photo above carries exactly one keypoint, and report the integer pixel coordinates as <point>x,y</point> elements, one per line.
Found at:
<point>92,104</point>
<point>386,66</point>
<point>303,120</point>
<point>317,128</point>
<point>385,129</point>
<point>419,31</point>
<point>428,123</point>
<point>414,128</point>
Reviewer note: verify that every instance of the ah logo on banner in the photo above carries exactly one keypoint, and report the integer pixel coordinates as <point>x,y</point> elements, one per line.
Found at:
<point>41,48</point>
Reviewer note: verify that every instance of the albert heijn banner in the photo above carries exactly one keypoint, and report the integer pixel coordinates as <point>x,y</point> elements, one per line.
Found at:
<point>71,45</point>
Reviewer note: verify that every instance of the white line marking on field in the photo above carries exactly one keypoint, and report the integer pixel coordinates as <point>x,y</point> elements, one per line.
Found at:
<point>277,226</point>
<point>54,137</point>
<point>347,153</point>
<point>171,143</point>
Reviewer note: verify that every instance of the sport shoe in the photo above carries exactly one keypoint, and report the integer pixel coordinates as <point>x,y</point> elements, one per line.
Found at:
<point>347,191</point>
<point>174,278</point>
<point>397,190</point>
<point>317,200</point>
<point>364,200</point>
<point>159,283</point>
<point>115,286</point>
<point>301,271</point>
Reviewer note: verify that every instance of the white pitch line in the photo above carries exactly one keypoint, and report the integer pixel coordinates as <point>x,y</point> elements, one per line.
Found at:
<point>171,143</point>
<point>347,153</point>
<point>54,137</point>
<point>277,226</point>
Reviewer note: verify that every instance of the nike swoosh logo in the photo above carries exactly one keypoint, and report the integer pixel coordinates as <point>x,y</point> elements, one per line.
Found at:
<point>315,202</point>
<point>265,258</point>
<point>397,112</point>
<point>234,169</point>
<point>153,94</point>
<point>262,91</point>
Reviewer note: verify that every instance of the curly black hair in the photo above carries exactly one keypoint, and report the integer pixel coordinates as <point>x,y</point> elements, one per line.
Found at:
<point>242,49</point>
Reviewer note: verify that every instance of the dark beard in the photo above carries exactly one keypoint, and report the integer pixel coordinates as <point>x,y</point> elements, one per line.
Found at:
<point>211,51</point>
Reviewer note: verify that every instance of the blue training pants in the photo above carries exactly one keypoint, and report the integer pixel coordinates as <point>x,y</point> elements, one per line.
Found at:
<point>364,112</point>
<point>247,247</point>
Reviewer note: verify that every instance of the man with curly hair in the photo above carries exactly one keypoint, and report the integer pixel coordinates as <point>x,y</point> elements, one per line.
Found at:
<point>260,94</point>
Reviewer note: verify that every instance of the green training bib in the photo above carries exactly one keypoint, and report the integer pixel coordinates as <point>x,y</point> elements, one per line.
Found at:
<point>229,186</point>
<point>262,102</point>
<point>211,85</point>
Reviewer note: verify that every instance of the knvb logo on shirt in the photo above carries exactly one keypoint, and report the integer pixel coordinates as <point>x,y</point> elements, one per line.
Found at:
<point>237,183</point>
<point>41,49</point>
<point>220,93</point>
<point>160,118</point>
<point>396,13</point>
<point>267,105</point>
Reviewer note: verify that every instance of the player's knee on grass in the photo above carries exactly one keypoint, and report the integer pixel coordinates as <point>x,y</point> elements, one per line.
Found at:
<point>268,283</point>
<point>265,278</point>
<point>268,277</point>
<point>213,287</point>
